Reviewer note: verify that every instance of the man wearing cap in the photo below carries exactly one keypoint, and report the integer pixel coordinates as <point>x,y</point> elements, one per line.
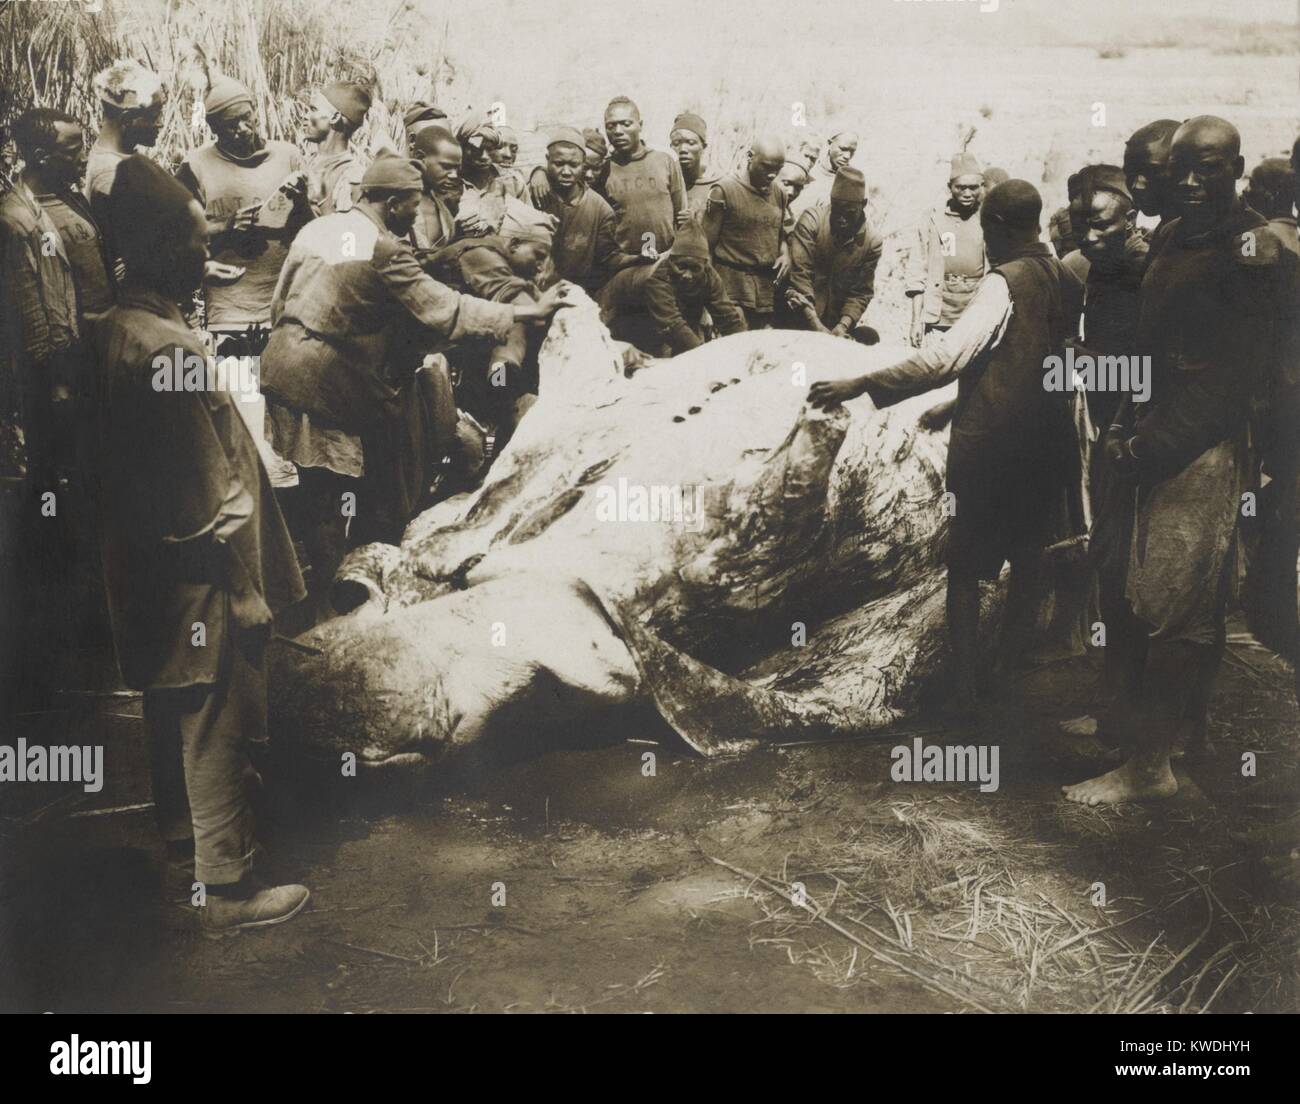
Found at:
<point>833,258</point>
<point>1218,321</point>
<point>1271,191</point>
<point>497,380</point>
<point>196,555</point>
<point>1012,450</point>
<point>354,316</point>
<point>645,186</point>
<point>595,170</point>
<point>334,176</point>
<point>483,203</point>
<point>254,194</point>
<point>745,226</point>
<point>596,162</point>
<point>947,261</point>
<point>659,308</point>
<point>687,139</point>
<point>585,250</point>
<point>419,115</point>
<point>132,98</point>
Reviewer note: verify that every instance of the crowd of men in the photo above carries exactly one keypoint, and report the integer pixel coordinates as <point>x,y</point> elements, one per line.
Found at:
<point>394,305</point>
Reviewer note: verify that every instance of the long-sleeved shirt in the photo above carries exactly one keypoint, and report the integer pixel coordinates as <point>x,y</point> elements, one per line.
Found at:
<point>585,249</point>
<point>944,356</point>
<point>351,305</point>
<point>191,530</point>
<point>646,192</point>
<point>939,237</point>
<point>92,270</point>
<point>1110,317</point>
<point>38,294</point>
<point>481,267</point>
<point>1008,429</point>
<point>837,276</point>
<point>1218,319</point>
<point>674,312</point>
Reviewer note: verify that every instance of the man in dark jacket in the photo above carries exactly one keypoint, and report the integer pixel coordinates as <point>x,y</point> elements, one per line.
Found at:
<point>659,307</point>
<point>1012,441</point>
<point>1216,318</point>
<point>833,258</point>
<point>196,555</point>
<point>354,317</point>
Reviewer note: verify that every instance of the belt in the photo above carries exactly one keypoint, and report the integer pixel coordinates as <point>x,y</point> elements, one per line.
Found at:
<point>752,270</point>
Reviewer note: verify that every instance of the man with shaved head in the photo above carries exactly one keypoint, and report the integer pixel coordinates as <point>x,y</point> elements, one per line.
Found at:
<point>841,147</point>
<point>645,186</point>
<point>1146,168</point>
<point>745,226</point>
<point>1217,315</point>
<point>1013,450</point>
<point>1114,253</point>
<point>1271,191</point>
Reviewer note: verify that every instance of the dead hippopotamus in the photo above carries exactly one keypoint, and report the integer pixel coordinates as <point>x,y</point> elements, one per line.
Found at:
<point>693,538</point>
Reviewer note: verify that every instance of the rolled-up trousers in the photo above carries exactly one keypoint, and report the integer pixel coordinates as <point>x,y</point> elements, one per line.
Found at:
<point>203,779</point>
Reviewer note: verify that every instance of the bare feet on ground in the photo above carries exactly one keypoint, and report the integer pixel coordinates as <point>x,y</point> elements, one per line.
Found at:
<point>1081,736</point>
<point>1129,782</point>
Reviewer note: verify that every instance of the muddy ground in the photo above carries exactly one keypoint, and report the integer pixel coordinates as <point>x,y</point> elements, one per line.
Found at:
<point>796,878</point>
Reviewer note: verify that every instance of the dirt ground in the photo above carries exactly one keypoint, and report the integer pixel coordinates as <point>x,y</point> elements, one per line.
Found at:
<point>681,891</point>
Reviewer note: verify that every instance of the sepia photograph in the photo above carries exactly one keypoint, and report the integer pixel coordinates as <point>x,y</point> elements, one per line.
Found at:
<point>659,507</point>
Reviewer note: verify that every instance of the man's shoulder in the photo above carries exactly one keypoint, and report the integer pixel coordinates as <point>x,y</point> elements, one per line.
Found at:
<point>201,155</point>
<point>594,201</point>
<point>279,148</point>
<point>340,236</point>
<point>131,335</point>
<point>1258,245</point>
<point>16,215</point>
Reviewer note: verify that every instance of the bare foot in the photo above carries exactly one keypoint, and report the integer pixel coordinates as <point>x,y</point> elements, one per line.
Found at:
<point>1081,737</point>
<point>1125,783</point>
<point>1080,727</point>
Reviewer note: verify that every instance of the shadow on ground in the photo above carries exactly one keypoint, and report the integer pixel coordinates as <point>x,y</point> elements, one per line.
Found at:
<point>797,878</point>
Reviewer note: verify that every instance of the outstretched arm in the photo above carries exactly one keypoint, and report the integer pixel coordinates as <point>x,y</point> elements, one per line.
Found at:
<point>934,365</point>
